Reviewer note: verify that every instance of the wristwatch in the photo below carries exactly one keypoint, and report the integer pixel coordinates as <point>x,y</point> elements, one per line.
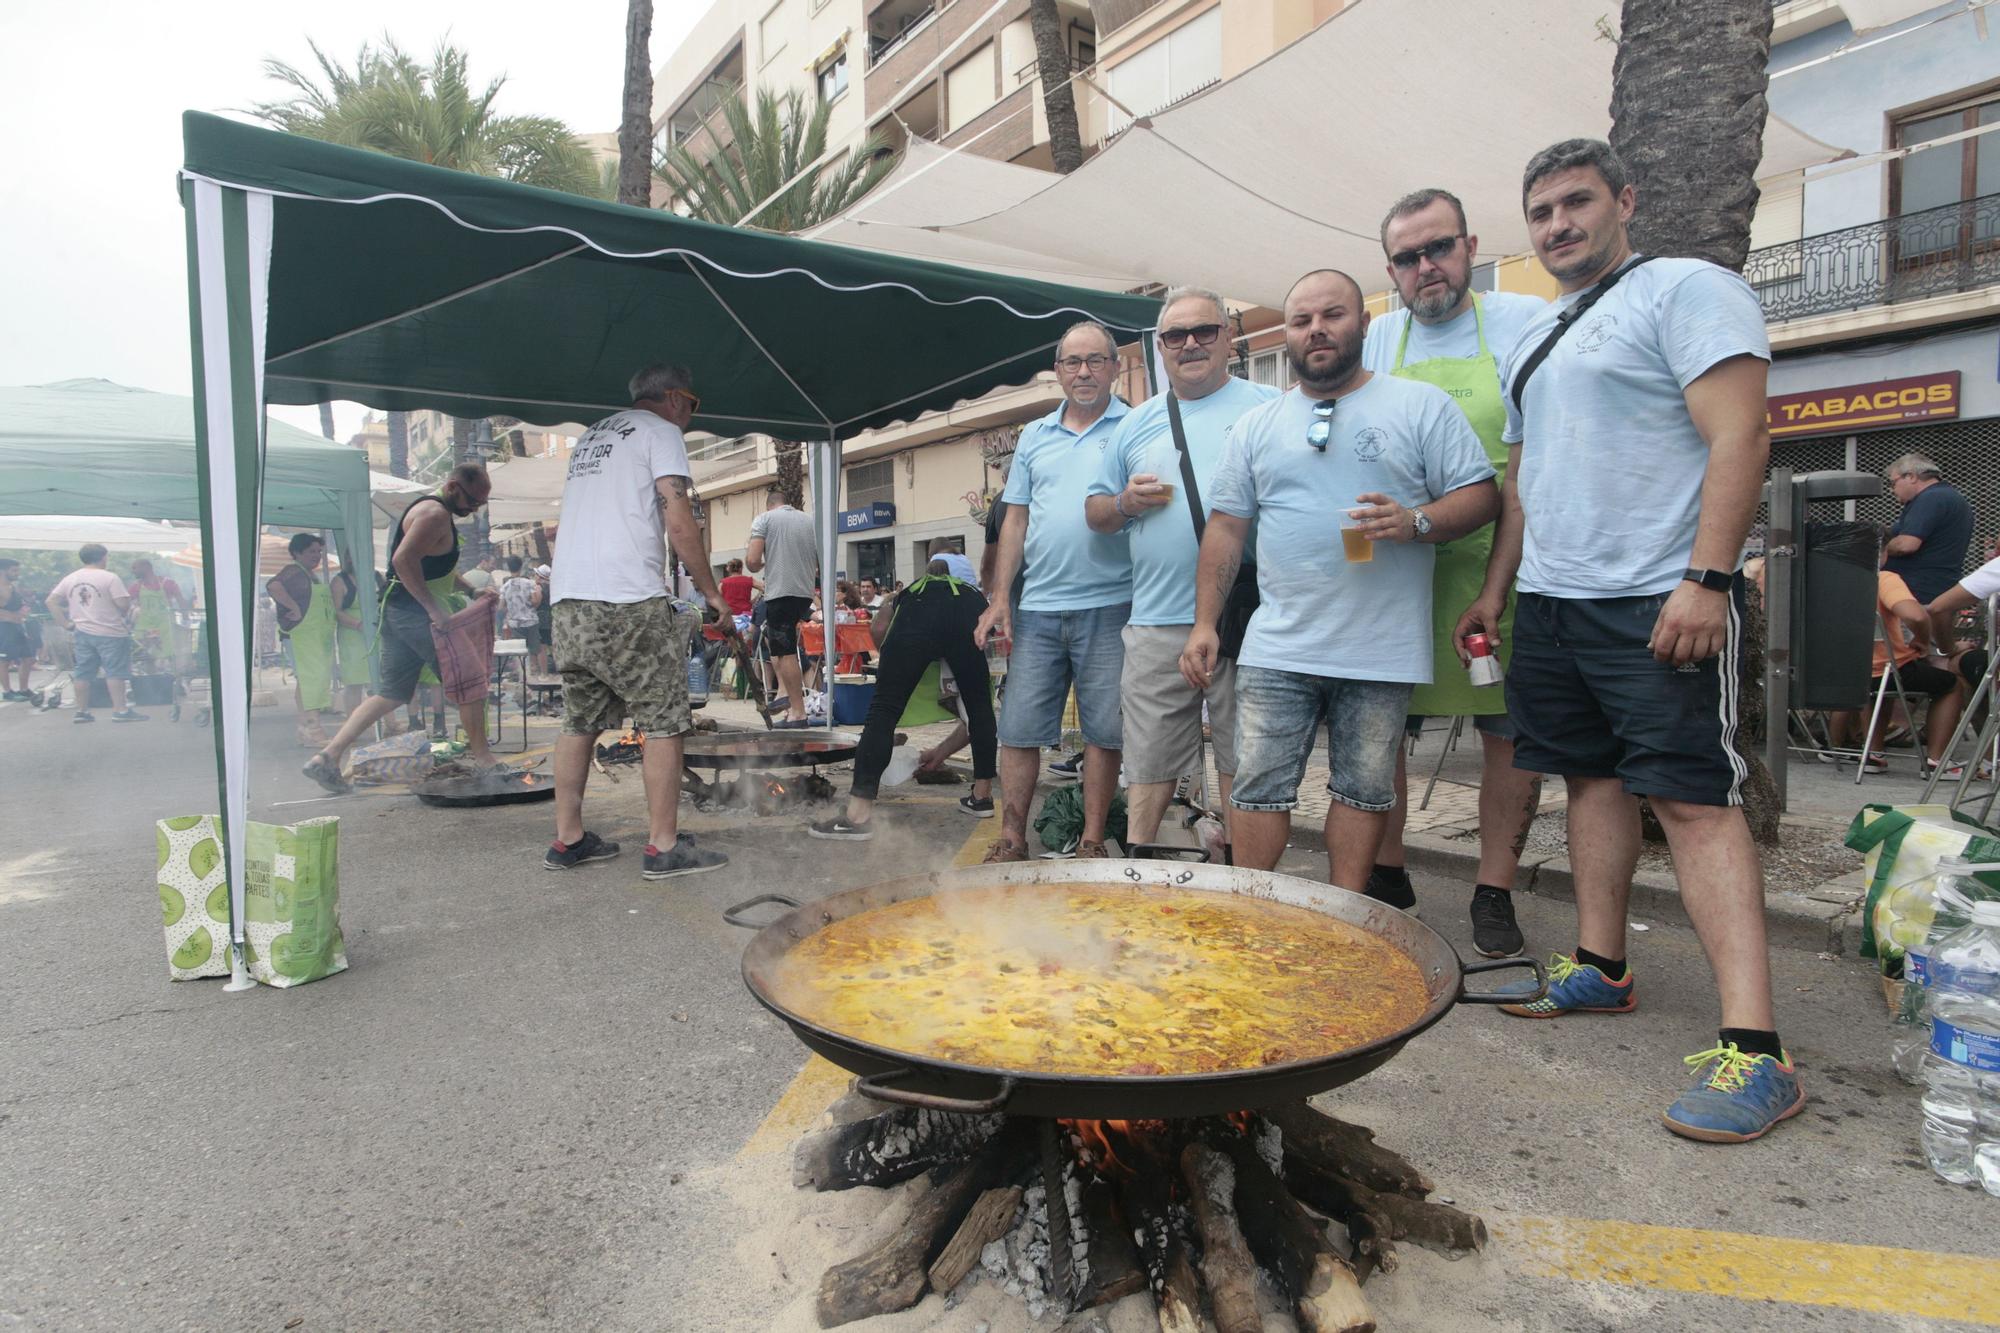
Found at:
<point>1422,521</point>
<point>1715,580</point>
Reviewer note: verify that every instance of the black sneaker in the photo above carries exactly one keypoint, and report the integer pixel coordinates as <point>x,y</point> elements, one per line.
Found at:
<point>1395,890</point>
<point>977,808</point>
<point>130,715</point>
<point>589,847</point>
<point>838,829</point>
<point>83,715</point>
<point>1494,931</point>
<point>684,859</point>
<point>1070,767</point>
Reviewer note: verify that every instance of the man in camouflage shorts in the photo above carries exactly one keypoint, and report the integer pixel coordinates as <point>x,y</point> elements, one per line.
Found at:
<point>621,640</point>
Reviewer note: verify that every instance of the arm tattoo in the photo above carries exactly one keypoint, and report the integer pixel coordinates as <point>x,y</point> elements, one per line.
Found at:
<point>680,485</point>
<point>1225,575</point>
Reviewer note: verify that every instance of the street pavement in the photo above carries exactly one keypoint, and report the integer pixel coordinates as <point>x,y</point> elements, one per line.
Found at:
<point>540,1099</point>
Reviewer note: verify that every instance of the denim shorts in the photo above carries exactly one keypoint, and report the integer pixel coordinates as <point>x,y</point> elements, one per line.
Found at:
<point>1053,651</point>
<point>108,654</point>
<point>1277,714</point>
<point>1591,701</point>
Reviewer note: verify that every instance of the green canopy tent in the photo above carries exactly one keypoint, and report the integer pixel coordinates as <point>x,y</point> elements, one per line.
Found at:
<point>318,272</point>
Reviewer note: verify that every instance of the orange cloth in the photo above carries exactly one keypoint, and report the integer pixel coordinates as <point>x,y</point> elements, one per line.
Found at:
<point>1889,590</point>
<point>854,643</point>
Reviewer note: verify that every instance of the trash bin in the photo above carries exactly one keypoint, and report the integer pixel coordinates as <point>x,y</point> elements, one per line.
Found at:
<point>1833,618</point>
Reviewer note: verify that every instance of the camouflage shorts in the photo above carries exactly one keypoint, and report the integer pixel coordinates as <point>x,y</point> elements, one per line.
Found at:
<point>623,659</point>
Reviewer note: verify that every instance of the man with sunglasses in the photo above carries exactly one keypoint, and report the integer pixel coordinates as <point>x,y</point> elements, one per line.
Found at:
<point>1636,416</point>
<point>1450,336</point>
<point>1074,603</point>
<point>1141,490</point>
<point>621,639</point>
<point>1332,637</point>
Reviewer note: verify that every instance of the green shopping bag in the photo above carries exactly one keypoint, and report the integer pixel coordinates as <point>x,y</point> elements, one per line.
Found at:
<point>1903,844</point>
<point>194,896</point>
<point>291,907</point>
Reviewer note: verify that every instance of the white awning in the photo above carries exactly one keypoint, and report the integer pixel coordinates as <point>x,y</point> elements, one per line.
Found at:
<point>1290,165</point>
<point>137,536</point>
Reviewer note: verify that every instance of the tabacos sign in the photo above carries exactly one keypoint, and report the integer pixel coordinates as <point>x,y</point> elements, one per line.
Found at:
<point>1877,405</point>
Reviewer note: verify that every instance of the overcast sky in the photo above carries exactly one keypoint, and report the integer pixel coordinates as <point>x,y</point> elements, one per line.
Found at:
<point>96,263</point>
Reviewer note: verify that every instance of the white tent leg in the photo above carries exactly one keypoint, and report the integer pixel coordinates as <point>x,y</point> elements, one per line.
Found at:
<point>827,501</point>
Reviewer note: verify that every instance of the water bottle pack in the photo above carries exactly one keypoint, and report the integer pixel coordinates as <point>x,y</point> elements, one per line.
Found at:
<point>1961,1063</point>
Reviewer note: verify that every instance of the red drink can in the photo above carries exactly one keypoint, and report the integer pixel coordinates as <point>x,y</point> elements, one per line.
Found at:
<point>1483,667</point>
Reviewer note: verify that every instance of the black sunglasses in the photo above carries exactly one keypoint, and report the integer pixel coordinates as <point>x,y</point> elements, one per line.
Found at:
<point>1320,433</point>
<point>1431,250</point>
<point>1203,334</point>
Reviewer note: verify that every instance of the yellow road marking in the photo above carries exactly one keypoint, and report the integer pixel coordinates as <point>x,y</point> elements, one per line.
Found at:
<point>821,1081</point>
<point>1870,1278</point>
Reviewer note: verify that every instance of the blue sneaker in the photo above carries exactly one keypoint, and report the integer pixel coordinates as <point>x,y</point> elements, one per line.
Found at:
<point>1574,988</point>
<point>1738,1099</point>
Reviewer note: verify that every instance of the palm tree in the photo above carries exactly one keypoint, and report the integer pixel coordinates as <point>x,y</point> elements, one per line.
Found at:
<point>391,103</point>
<point>635,129</point>
<point>1052,62</point>
<point>768,159</point>
<point>1687,116</point>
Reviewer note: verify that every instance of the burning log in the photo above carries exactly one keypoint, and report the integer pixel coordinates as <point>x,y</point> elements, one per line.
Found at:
<point>1057,1177</point>
<point>1147,1194</point>
<point>886,1148</point>
<point>1110,1270</point>
<point>988,1221</point>
<point>1292,1244</point>
<point>1226,1265</point>
<point>894,1275</point>
<point>1385,1216</point>
<point>1346,1150</point>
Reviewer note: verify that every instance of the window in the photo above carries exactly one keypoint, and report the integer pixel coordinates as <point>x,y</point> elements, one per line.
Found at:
<point>1939,177</point>
<point>771,32</point>
<point>831,77</point>
<point>1183,62</point>
<point>869,482</point>
<point>1271,366</point>
<point>969,88</point>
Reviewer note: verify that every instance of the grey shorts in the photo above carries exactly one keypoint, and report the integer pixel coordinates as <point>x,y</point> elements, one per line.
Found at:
<point>105,654</point>
<point>1163,712</point>
<point>623,659</point>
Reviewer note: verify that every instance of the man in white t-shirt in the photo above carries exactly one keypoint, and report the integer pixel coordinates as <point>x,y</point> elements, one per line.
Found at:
<point>93,604</point>
<point>621,641</point>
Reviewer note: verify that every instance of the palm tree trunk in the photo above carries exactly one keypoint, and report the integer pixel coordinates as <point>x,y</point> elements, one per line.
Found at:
<point>1052,60</point>
<point>792,472</point>
<point>1687,117</point>
<point>461,440</point>
<point>635,130</point>
<point>326,420</point>
<point>399,444</point>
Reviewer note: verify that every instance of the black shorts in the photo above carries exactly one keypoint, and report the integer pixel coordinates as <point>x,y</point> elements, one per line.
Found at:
<point>407,648</point>
<point>781,623</point>
<point>1589,700</point>
<point>1921,677</point>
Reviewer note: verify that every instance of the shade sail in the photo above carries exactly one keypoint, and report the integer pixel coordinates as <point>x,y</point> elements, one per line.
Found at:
<point>135,536</point>
<point>402,285</point>
<point>1291,164</point>
<point>93,447</point>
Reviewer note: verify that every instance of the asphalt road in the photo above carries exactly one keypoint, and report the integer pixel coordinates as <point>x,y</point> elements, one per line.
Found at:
<point>527,1103</point>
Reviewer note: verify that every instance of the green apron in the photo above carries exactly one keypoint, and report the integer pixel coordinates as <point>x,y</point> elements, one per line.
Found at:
<point>156,616</point>
<point>353,647</point>
<point>312,650</point>
<point>1474,384</point>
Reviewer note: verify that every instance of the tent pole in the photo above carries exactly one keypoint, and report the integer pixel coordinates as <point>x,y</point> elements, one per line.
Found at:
<point>829,554</point>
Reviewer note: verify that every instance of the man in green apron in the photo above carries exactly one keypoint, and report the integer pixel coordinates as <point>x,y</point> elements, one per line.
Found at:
<point>1448,336</point>
<point>305,618</point>
<point>160,605</point>
<point>350,643</point>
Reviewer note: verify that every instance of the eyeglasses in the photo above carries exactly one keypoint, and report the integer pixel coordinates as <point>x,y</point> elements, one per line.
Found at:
<point>1431,250</point>
<point>1072,364</point>
<point>1320,433</point>
<point>1203,334</point>
<point>694,399</point>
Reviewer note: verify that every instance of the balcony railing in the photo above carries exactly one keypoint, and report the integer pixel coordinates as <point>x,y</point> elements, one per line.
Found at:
<point>881,48</point>
<point>1936,252</point>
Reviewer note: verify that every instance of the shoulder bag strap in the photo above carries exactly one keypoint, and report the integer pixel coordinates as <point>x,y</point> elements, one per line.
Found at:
<point>1564,322</point>
<point>1188,483</point>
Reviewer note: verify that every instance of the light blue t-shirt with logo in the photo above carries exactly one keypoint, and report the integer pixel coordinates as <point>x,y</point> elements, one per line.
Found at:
<point>1070,567</point>
<point>1164,549</point>
<point>1611,463</point>
<point>1321,615</point>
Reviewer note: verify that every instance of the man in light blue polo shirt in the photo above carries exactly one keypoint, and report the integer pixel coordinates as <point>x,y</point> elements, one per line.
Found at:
<point>1343,628</point>
<point>1076,600</point>
<point>1142,492</point>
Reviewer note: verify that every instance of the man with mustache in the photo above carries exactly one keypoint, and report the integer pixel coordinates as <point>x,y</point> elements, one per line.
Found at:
<point>1339,637</point>
<point>1074,603</point>
<point>423,565</point>
<point>1638,448</point>
<point>1449,336</point>
<point>1141,491</point>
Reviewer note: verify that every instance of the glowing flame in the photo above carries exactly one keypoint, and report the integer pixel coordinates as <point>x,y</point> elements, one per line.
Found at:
<point>1118,1148</point>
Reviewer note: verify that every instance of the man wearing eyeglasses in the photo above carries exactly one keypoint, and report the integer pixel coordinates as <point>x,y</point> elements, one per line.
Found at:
<point>1074,603</point>
<point>1450,336</point>
<point>1141,491</point>
<point>1636,415</point>
<point>1339,637</point>
<point>621,639</point>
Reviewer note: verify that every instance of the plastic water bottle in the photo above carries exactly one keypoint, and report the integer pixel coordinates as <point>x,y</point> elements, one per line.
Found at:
<point>1961,1103</point>
<point>1946,897</point>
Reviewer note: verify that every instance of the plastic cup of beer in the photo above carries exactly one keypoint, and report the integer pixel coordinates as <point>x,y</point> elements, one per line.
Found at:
<point>1165,465</point>
<point>1354,544</point>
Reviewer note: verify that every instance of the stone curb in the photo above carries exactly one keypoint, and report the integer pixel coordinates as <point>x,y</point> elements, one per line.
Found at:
<point>1825,920</point>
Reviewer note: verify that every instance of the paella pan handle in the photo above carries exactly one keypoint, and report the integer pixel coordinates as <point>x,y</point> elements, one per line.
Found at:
<point>877,1086</point>
<point>1504,997</point>
<point>734,915</point>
